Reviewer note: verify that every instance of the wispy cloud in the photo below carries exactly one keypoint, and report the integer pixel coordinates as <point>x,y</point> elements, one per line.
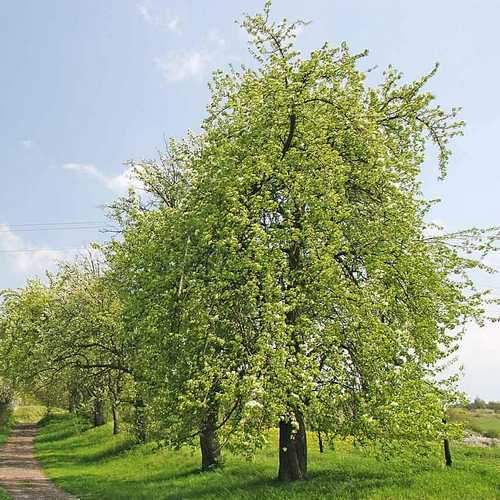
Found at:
<point>179,66</point>
<point>27,143</point>
<point>117,183</point>
<point>159,16</point>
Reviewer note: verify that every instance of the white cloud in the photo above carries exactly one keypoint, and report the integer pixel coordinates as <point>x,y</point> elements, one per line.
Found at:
<point>176,67</point>
<point>27,143</point>
<point>117,183</point>
<point>160,17</point>
<point>25,258</point>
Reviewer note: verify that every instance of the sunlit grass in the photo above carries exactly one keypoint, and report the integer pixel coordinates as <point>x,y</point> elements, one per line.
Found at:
<point>29,414</point>
<point>93,464</point>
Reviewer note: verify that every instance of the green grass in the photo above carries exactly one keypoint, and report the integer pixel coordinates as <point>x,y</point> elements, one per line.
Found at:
<point>93,464</point>
<point>482,421</point>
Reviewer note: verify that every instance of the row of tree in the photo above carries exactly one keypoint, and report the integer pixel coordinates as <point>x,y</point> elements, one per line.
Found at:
<point>480,404</point>
<point>275,270</point>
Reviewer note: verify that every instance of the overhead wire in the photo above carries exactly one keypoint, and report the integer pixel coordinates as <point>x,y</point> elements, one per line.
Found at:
<point>55,229</point>
<point>53,226</point>
<point>80,223</point>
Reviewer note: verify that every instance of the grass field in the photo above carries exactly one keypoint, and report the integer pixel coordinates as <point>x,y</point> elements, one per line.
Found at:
<point>484,422</point>
<point>95,465</point>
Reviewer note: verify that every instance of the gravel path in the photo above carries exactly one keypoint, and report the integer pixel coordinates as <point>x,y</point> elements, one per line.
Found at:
<point>20,473</point>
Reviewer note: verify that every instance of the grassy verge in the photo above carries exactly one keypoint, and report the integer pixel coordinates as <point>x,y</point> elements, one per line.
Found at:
<point>95,465</point>
<point>5,430</point>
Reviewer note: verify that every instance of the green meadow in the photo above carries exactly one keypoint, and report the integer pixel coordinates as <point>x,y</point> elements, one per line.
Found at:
<point>93,464</point>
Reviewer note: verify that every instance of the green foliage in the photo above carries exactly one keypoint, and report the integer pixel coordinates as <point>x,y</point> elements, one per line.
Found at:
<point>92,464</point>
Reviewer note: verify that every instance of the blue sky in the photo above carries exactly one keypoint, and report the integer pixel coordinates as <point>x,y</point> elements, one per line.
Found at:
<point>88,85</point>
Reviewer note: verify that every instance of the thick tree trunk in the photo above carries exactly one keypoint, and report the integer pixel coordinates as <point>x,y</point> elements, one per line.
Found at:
<point>320,442</point>
<point>140,421</point>
<point>211,456</point>
<point>293,450</point>
<point>210,450</point>
<point>99,416</point>
<point>116,419</point>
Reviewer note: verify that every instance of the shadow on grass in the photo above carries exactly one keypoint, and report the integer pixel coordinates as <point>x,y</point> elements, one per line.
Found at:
<point>321,484</point>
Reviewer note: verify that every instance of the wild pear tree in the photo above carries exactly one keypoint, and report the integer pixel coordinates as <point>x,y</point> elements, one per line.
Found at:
<point>306,200</point>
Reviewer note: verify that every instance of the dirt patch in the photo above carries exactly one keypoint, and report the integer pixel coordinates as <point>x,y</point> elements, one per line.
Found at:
<point>481,441</point>
<point>20,472</point>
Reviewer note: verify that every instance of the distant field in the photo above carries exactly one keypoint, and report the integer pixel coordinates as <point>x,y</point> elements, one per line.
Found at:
<point>93,464</point>
<point>485,422</point>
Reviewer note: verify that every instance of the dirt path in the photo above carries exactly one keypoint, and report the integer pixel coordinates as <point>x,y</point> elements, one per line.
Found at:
<point>20,472</point>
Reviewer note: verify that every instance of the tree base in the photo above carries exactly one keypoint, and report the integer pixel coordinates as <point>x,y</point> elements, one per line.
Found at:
<point>293,450</point>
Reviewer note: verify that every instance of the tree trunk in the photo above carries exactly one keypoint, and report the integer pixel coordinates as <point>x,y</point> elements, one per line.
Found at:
<point>320,442</point>
<point>140,421</point>
<point>116,420</point>
<point>447,453</point>
<point>211,456</point>
<point>99,417</point>
<point>446,448</point>
<point>293,450</point>
<point>210,450</point>
<point>73,400</point>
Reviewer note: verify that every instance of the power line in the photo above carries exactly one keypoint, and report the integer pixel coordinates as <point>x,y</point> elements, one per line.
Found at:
<point>63,228</point>
<point>81,223</point>
<point>35,250</point>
